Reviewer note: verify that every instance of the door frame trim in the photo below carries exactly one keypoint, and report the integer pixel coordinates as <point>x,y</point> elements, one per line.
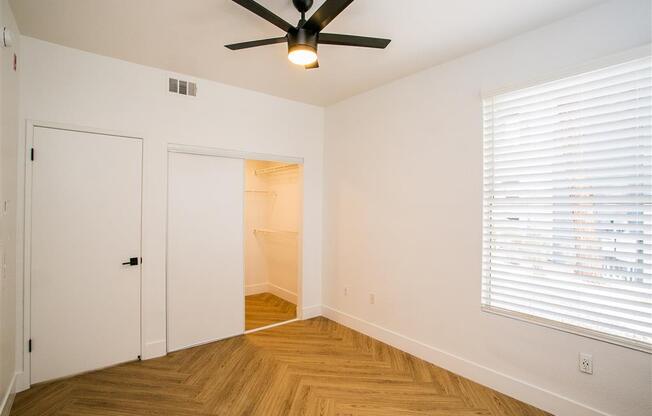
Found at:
<point>232,154</point>
<point>24,377</point>
<point>235,154</point>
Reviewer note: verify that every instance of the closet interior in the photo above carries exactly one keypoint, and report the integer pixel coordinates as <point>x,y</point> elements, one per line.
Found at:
<point>272,229</point>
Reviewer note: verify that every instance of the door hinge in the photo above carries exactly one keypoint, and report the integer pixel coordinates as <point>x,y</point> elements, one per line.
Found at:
<point>31,156</point>
<point>29,346</point>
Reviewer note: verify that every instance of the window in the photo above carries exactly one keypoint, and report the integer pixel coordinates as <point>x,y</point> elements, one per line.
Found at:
<point>567,230</point>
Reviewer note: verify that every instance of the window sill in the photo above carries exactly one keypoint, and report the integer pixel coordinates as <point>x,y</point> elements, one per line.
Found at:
<point>572,329</point>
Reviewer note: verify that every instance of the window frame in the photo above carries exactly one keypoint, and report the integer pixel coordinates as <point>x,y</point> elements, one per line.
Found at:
<point>597,64</point>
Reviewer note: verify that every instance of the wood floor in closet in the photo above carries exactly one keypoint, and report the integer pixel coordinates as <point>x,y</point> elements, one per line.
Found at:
<point>313,367</point>
<point>266,309</point>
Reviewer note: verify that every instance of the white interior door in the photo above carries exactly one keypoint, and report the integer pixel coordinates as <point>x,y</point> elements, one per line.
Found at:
<point>85,222</point>
<point>205,272</point>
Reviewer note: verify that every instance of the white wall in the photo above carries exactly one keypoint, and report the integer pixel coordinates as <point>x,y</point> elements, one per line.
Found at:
<point>69,86</point>
<point>256,215</point>
<point>8,151</point>
<point>282,249</point>
<point>403,217</point>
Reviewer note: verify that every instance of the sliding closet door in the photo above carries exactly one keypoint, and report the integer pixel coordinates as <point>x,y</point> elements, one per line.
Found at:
<point>205,272</point>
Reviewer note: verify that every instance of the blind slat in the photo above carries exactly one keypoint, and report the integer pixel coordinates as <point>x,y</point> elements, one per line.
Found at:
<point>573,210</point>
<point>561,257</point>
<point>524,247</point>
<point>537,224</point>
<point>548,92</point>
<point>569,149</point>
<point>624,297</point>
<point>639,178</point>
<point>614,245</point>
<point>611,98</point>
<point>568,122</point>
<point>572,317</point>
<point>491,146</point>
<point>594,310</point>
<point>587,167</point>
<point>587,128</point>
<point>586,155</point>
<point>571,291</point>
<point>558,267</point>
<point>577,199</point>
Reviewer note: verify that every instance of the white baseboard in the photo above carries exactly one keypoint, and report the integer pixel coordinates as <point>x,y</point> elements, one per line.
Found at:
<point>282,293</point>
<point>519,389</point>
<point>8,398</point>
<point>204,342</point>
<point>273,289</point>
<point>311,312</point>
<point>22,381</point>
<point>256,289</point>
<point>154,349</point>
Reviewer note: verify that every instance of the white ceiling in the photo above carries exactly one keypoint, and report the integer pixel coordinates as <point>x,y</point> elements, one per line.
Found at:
<point>188,36</point>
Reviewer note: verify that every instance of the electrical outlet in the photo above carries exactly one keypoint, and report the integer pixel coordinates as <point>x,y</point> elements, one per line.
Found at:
<point>346,291</point>
<point>586,363</point>
<point>372,298</point>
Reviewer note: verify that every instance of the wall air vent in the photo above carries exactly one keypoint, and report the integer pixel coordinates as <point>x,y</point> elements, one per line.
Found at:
<point>177,86</point>
<point>192,89</point>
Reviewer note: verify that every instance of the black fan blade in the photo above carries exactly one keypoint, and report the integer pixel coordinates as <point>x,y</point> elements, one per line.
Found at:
<point>254,43</point>
<point>314,65</point>
<point>352,40</point>
<point>325,14</point>
<point>256,8</point>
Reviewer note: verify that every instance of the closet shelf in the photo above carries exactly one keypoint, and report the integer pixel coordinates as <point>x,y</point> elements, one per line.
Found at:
<point>254,191</point>
<point>275,169</point>
<point>270,231</point>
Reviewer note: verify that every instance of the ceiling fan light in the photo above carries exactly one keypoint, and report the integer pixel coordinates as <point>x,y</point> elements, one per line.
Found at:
<point>302,55</point>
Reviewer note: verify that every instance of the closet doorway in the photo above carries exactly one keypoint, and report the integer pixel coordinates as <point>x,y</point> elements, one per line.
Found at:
<point>272,229</point>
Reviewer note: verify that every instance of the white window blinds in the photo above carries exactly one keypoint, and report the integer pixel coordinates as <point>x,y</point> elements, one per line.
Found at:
<point>567,230</point>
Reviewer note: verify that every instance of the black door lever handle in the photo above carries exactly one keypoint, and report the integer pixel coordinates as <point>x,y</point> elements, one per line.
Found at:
<point>132,262</point>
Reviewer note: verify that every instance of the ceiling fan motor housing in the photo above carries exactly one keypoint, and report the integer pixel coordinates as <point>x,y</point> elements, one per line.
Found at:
<point>302,39</point>
<point>302,5</point>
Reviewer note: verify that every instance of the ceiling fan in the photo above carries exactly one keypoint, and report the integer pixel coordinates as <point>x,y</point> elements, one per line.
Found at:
<point>303,38</point>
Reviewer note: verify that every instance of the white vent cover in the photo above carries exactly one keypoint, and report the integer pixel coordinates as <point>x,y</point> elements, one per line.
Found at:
<point>177,86</point>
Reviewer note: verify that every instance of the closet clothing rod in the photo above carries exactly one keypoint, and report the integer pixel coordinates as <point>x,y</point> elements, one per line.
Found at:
<point>275,169</point>
<point>270,231</point>
<point>253,191</point>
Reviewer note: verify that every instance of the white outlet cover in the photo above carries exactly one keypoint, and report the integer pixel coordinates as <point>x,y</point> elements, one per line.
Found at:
<point>586,363</point>
<point>372,298</point>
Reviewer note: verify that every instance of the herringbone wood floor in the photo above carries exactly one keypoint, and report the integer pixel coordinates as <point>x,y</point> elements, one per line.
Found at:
<point>314,367</point>
<point>266,309</point>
